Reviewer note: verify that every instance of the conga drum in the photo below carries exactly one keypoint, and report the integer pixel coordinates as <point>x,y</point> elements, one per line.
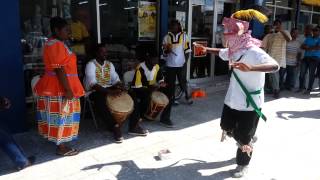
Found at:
<point>120,107</point>
<point>158,102</point>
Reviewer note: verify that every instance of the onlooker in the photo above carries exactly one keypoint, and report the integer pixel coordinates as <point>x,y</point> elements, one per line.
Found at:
<point>293,57</point>
<point>176,47</point>
<point>275,45</point>
<point>8,144</point>
<point>311,59</point>
<point>307,34</point>
<point>59,91</point>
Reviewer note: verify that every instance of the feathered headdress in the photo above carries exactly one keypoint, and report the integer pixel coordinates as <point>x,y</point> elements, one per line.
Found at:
<point>249,14</point>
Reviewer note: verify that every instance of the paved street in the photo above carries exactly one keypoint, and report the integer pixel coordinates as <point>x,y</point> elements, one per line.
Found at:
<point>287,148</point>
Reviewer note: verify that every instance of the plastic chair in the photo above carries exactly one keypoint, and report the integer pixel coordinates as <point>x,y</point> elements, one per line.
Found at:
<point>128,77</point>
<point>34,81</point>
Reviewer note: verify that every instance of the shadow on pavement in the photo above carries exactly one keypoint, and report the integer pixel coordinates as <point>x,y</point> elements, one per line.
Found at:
<point>184,116</point>
<point>287,115</point>
<point>129,170</point>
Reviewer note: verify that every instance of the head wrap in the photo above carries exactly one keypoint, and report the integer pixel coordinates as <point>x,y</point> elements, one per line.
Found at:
<point>236,30</point>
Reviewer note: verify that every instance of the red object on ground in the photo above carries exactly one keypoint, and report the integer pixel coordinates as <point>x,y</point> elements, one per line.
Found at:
<point>198,93</point>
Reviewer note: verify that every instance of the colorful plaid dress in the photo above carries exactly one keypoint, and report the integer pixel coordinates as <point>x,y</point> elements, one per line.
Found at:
<point>58,118</point>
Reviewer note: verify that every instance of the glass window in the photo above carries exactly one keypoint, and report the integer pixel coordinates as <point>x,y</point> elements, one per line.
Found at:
<point>178,9</point>
<point>269,2</point>
<point>316,19</point>
<point>306,7</point>
<point>35,30</point>
<point>286,16</point>
<point>127,22</point>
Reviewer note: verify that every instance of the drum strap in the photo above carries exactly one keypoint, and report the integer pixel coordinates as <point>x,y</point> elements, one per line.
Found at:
<point>249,99</point>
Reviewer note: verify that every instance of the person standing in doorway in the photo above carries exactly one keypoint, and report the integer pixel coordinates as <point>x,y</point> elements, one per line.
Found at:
<point>176,50</point>
<point>275,45</point>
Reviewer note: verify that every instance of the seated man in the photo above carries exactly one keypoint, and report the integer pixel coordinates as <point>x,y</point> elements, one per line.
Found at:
<point>148,78</point>
<point>8,144</point>
<point>103,79</point>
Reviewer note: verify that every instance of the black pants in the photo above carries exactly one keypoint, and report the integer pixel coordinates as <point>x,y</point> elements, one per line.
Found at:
<point>99,100</point>
<point>308,64</point>
<point>171,74</point>
<point>141,98</point>
<point>243,125</point>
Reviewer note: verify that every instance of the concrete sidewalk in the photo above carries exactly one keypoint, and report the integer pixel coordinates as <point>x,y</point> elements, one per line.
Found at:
<point>287,147</point>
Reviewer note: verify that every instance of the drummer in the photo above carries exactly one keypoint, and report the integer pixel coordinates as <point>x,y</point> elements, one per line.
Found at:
<point>148,78</point>
<point>102,78</point>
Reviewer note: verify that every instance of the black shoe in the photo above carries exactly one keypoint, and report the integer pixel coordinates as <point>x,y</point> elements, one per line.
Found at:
<point>138,131</point>
<point>189,101</point>
<point>117,135</point>
<point>299,90</point>
<point>175,103</point>
<point>276,94</point>
<point>167,123</point>
<point>307,92</point>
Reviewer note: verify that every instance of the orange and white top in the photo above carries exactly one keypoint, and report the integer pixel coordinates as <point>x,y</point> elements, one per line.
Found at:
<point>57,55</point>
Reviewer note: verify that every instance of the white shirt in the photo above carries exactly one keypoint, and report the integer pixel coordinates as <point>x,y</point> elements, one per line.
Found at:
<point>91,79</point>
<point>253,81</point>
<point>180,46</point>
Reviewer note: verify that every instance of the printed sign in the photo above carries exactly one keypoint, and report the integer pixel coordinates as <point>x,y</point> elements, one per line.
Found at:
<point>147,19</point>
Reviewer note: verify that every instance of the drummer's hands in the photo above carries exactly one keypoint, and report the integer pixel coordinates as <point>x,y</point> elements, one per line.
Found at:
<point>114,92</point>
<point>162,84</point>
<point>153,87</point>
<point>120,86</point>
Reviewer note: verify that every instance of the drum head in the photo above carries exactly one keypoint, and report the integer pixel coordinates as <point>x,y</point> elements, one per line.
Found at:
<point>122,103</point>
<point>159,98</point>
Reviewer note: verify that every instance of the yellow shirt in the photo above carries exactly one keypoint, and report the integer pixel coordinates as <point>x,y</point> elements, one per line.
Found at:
<point>78,32</point>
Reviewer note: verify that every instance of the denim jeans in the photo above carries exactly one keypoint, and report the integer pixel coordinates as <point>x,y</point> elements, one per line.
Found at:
<point>282,73</point>
<point>291,76</point>
<point>12,149</point>
<point>309,64</point>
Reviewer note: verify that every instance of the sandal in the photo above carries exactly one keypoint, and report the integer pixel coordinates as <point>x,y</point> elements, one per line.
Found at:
<point>69,152</point>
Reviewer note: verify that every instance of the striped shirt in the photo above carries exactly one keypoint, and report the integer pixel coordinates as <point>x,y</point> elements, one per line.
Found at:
<point>275,45</point>
<point>293,48</point>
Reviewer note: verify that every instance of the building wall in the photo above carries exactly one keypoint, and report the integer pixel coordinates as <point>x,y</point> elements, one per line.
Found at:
<point>11,69</point>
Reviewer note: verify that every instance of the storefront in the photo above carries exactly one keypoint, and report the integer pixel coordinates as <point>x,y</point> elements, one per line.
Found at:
<point>124,25</point>
<point>294,13</point>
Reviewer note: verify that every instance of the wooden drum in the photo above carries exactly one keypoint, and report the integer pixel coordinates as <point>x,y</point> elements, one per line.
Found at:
<point>120,107</point>
<point>158,102</point>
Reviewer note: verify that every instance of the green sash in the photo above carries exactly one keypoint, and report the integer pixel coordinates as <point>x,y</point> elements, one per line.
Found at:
<point>249,99</point>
